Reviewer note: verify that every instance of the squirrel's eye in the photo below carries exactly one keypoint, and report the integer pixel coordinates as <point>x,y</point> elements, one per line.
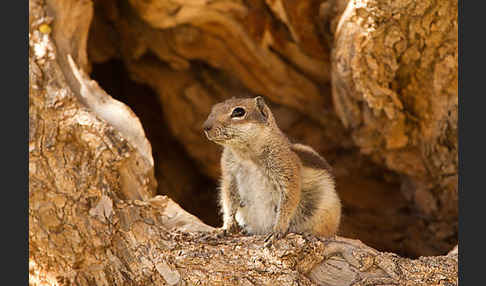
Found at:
<point>238,112</point>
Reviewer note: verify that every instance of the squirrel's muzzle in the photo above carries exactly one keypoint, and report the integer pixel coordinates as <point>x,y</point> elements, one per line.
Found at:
<point>207,126</point>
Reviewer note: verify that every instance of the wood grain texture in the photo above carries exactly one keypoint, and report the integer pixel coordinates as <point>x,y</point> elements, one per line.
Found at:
<point>93,217</point>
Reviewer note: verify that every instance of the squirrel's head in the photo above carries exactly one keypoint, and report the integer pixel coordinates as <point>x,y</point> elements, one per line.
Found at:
<point>238,121</point>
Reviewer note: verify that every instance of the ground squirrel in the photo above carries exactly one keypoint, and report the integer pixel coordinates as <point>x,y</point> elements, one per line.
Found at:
<point>269,185</point>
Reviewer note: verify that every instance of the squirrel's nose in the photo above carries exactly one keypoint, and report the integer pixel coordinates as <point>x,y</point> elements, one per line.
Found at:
<point>207,126</point>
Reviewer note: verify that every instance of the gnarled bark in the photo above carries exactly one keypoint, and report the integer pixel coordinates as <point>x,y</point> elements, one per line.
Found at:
<point>93,217</point>
<point>395,87</point>
<point>196,54</point>
<point>148,243</point>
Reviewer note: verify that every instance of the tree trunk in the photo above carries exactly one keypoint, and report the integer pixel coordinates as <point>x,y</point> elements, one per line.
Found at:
<point>94,218</point>
<point>395,86</point>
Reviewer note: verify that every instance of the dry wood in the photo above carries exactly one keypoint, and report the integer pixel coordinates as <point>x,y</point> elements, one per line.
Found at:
<point>93,217</point>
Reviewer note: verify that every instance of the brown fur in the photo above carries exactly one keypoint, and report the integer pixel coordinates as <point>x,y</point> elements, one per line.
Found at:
<point>270,186</point>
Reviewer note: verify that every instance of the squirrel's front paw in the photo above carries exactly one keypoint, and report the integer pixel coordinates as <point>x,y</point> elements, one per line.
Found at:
<point>220,232</point>
<point>273,236</point>
<point>232,228</point>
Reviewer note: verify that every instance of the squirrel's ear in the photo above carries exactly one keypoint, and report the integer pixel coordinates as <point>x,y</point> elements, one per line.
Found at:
<point>260,103</point>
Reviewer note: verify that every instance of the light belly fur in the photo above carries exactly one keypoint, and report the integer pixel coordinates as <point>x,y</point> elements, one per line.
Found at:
<point>259,200</point>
